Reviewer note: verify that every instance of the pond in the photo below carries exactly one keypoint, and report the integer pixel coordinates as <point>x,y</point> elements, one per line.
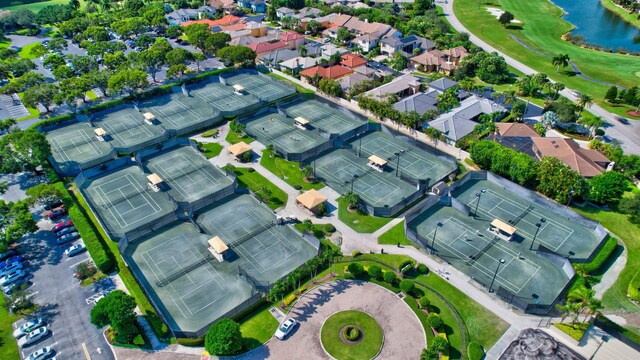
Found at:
<point>599,26</point>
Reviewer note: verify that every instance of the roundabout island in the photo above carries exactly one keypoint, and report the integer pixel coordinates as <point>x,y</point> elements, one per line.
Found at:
<point>352,334</point>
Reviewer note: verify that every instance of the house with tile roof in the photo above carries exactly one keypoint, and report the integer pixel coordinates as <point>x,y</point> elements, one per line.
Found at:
<point>406,45</point>
<point>420,102</point>
<point>461,120</point>
<point>349,81</point>
<point>263,47</point>
<point>332,72</point>
<point>293,39</point>
<point>223,21</point>
<point>352,60</point>
<point>401,87</point>
<point>443,61</point>
<point>587,162</point>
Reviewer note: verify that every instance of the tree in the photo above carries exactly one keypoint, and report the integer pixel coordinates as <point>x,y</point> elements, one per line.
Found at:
<point>44,194</point>
<point>407,286</point>
<point>375,272</point>
<point>128,80</point>
<point>173,31</point>
<point>330,87</point>
<point>97,79</point>
<point>549,119</point>
<point>24,82</point>
<point>557,181</point>
<point>608,187</point>
<point>560,60</point>
<point>433,134</point>
<point>313,27</point>
<point>343,35</point>
<point>23,150</point>
<point>178,56</point>
<point>352,200</point>
<point>584,101</point>
<point>153,60</point>
<point>398,61</point>
<point>215,42</point>
<point>144,41</point>
<point>176,71</point>
<point>72,90</point>
<point>612,94</point>
<point>236,55</point>
<point>540,129</point>
<point>15,222</point>
<point>389,277</point>
<point>54,14</point>
<point>482,153</point>
<point>631,206</point>
<point>566,111</point>
<point>307,172</point>
<point>223,338</point>
<point>117,309</point>
<point>197,34</point>
<point>448,100</point>
<point>355,269</point>
<point>492,68</point>
<point>42,94</point>
<point>593,123</point>
<point>506,18</point>
<point>435,321</point>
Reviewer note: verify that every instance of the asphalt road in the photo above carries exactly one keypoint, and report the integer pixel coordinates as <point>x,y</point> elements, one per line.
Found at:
<point>627,135</point>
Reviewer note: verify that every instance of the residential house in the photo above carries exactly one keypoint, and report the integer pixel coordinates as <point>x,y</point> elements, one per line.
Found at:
<point>347,82</point>
<point>517,136</point>
<point>461,120</point>
<point>587,162</point>
<point>293,39</point>
<point>439,61</point>
<point>367,34</point>
<point>405,45</point>
<point>264,47</point>
<point>257,29</point>
<point>352,60</point>
<point>231,9</point>
<point>306,13</point>
<point>257,6</point>
<point>332,72</point>
<point>420,102</point>
<point>284,12</point>
<point>325,21</point>
<point>274,58</point>
<point>329,50</point>
<point>443,84</point>
<point>180,16</point>
<point>299,63</point>
<point>400,87</point>
<point>223,21</point>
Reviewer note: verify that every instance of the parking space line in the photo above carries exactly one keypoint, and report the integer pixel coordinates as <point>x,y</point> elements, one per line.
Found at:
<point>86,352</point>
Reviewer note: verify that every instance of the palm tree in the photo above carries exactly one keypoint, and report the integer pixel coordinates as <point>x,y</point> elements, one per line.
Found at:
<point>565,310</point>
<point>593,123</point>
<point>584,101</point>
<point>303,50</point>
<point>561,60</point>
<point>467,84</point>
<point>352,200</point>
<point>307,172</point>
<point>509,97</point>
<point>584,299</point>
<point>557,87</point>
<point>105,5</point>
<point>74,4</point>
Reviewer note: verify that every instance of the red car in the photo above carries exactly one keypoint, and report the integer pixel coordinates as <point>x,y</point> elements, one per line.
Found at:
<point>62,225</point>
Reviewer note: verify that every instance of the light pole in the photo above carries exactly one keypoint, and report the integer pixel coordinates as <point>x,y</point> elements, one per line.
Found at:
<point>433,241</point>
<point>495,274</point>
<point>355,177</point>
<point>570,197</point>
<point>604,339</point>
<point>398,154</point>
<point>479,194</point>
<point>542,220</point>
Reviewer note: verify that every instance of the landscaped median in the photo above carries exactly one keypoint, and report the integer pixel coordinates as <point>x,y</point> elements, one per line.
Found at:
<point>351,334</point>
<point>289,171</point>
<point>250,179</point>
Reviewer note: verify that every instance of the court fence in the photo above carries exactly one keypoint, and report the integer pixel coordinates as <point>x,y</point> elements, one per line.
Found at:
<point>270,98</point>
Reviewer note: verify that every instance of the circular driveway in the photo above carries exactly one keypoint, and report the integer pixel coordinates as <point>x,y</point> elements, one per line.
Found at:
<point>404,337</point>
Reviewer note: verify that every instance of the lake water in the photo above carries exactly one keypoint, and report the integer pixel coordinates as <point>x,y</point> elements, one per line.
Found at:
<point>598,25</point>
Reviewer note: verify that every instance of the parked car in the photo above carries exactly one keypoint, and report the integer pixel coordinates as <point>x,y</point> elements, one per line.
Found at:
<point>53,205</point>
<point>56,214</point>
<point>8,254</point>
<point>286,328</point>
<point>41,354</point>
<point>75,250</point>
<point>28,327</point>
<point>8,289</point>
<point>12,277</point>
<point>10,260</point>
<point>59,226</point>
<point>69,237</point>
<point>65,231</point>
<point>10,268</point>
<point>33,337</point>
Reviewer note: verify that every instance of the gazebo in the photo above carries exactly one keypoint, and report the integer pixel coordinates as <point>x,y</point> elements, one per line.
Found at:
<point>311,199</point>
<point>218,248</point>
<point>238,89</point>
<point>149,118</point>
<point>301,123</point>
<point>154,181</point>
<point>502,229</point>
<point>100,133</point>
<point>377,163</point>
<point>239,148</point>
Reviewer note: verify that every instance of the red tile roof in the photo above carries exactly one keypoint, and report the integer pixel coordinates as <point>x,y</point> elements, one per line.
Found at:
<point>266,46</point>
<point>225,20</point>
<point>352,60</point>
<point>584,161</point>
<point>331,72</point>
<point>291,36</point>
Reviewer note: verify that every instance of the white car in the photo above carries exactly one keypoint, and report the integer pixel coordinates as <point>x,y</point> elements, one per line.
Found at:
<point>12,267</point>
<point>285,328</point>
<point>74,250</point>
<point>28,327</point>
<point>33,337</point>
<point>41,354</point>
<point>12,277</point>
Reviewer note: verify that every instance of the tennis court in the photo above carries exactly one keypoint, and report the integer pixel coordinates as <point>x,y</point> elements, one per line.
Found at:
<point>128,131</point>
<point>323,117</point>
<point>283,134</point>
<point>188,174</point>
<point>197,298</point>
<point>466,243</point>
<point>178,112</point>
<point>413,162</point>
<point>223,98</point>
<point>557,233</point>
<point>262,87</point>
<point>76,145</point>
<point>266,251</point>
<point>124,201</point>
<point>341,169</point>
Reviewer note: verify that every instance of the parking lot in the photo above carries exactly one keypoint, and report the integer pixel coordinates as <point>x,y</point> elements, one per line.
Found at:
<point>62,302</point>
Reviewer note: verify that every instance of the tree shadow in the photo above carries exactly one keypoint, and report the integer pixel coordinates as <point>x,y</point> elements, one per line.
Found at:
<point>47,312</point>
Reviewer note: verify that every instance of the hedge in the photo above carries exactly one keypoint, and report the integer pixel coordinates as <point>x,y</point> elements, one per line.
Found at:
<point>609,246</point>
<point>475,351</point>
<point>634,287</point>
<point>157,325</point>
<point>101,256</point>
<point>191,342</point>
<point>53,121</point>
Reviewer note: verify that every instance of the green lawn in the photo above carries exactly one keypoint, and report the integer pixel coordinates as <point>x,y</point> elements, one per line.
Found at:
<point>371,336</point>
<point>91,95</point>
<point>289,171</point>
<point>234,138</point>
<point>395,236</point>
<point>258,184</point>
<point>8,345</point>
<point>32,112</point>
<point>358,220</point>
<point>25,52</point>
<point>210,149</point>
<point>36,5</point>
<point>451,327</point>
<point>5,43</point>
<point>623,13</point>
<point>301,89</point>
<point>542,28</point>
<point>258,327</point>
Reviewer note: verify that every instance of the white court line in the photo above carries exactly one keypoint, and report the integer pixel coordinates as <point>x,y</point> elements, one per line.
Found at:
<point>198,168</point>
<point>61,149</point>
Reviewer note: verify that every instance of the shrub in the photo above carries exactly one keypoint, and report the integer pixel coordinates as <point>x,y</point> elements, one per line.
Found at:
<point>356,253</point>
<point>246,157</point>
<point>157,325</point>
<point>435,321</point>
<point>389,277</point>
<point>138,340</point>
<point>329,228</point>
<point>475,351</point>
<point>351,333</point>
<point>440,344</point>
<point>355,269</point>
<point>424,302</point>
<point>297,187</point>
<point>406,266</point>
<point>321,210</point>
<point>210,133</point>
<point>375,272</point>
<point>85,270</point>
<point>407,286</point>
<point>423,269</point>
<point>223,338</point>
<point>601,256</point>
<point>289,299</point>
<point>251,170</point>
<point>191,342</point>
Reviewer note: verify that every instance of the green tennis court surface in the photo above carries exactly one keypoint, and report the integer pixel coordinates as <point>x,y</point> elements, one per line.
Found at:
<point>127,131</point>
<point>178,112</point>
<point>323,117</point>
<point>340,168</point>
<point>124,201</point>
<point>189,176</point>
<point>76,146</point>
<point>557,233</point>
<point>265,88</point>
<point>411,161</point>
<point>222,97</point>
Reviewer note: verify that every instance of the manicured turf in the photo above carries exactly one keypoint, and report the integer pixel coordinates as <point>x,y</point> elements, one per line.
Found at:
<point>210,149</point>
<point>258,183</point>
<point>622,12</point>
<point>451,328</point>
<point>395,236</point>
<point>289,171</point>
<point>35,6</point>
<point>542,28</point>
<point>371,336</point>
<point>299,88</point>
<point>359,221</point>
<point>234,138</point>
<point>258,327</point>
<point>32,112</point>
<point>25,52</point>
<point>8,344</point>
<point>91,95</point>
